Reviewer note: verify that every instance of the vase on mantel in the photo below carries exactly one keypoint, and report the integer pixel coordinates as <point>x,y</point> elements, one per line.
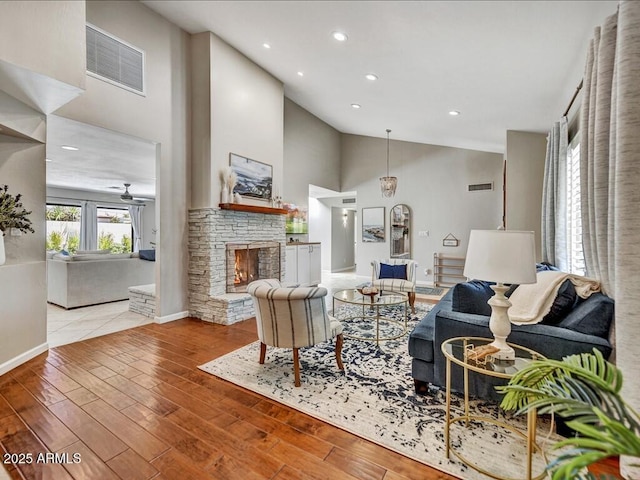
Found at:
<point>224,194</point>
<point>2,255</point>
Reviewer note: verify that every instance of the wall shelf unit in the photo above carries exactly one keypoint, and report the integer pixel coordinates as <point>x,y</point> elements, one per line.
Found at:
<point>447,270</point>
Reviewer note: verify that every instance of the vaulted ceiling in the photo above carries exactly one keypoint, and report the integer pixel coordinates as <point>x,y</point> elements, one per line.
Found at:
<point>504,65</point>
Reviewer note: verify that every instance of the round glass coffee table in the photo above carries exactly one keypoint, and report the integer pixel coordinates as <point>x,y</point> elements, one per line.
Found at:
<point>373,308</point>
<point>458,351</point>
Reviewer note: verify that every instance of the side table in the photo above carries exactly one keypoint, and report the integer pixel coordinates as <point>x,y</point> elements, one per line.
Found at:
<point>455,350</point>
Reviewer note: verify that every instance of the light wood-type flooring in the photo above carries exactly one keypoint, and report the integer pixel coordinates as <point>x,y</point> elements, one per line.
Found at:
<point>133,405</point>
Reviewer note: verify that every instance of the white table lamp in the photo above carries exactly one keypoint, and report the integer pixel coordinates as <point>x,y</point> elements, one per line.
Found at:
<point>501,256</point>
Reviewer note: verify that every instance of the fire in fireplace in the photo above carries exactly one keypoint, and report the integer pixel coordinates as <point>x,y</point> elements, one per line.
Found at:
<point>247,262</point>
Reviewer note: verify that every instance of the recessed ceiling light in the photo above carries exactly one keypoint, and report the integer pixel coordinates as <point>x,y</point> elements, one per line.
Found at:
<point>266,45</point>
<point>69,147</point>
<point>454,113</point>
<point>371,76</point>
<point>355,105</point>
<point>339,36</point>
<point>301,74</point>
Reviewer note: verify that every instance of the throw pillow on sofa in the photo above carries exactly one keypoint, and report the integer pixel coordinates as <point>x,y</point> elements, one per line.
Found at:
<point>149,255</point>
<point>472,297</point>
<point>562,305</point>
<point>592,316</point>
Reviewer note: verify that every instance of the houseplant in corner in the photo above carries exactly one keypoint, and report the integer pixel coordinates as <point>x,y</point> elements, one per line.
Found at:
<point>585,390</point>
<point>12,215</point>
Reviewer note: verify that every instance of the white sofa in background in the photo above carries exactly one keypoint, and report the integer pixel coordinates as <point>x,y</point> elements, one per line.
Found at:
<point>90,279</point>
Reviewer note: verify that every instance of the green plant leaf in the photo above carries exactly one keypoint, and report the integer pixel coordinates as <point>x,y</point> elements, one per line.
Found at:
<point>585,389</point>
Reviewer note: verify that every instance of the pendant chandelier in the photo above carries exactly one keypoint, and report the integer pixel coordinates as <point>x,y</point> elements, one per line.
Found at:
<point>388,184</point>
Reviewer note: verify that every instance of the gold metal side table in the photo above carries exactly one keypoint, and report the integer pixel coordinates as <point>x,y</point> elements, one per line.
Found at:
<point>455,350</point>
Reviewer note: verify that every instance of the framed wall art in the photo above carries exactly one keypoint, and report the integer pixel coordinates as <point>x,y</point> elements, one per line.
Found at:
<point>373,225</point>
<point>255,179</point>
<point>296,221</point>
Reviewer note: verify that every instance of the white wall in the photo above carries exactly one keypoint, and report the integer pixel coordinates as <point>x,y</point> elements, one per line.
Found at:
<point>22,279</point>
<point>45,37</point>
<point>319,217</point>
<point>311,154</point>
<point>342,235</point>
<point>237,107</point>
<point>201,177</point>
<point>246,114</point>
<point>41,66</point>
<point>432,181</point>
<point>525,172</point>
<point>160,116</point>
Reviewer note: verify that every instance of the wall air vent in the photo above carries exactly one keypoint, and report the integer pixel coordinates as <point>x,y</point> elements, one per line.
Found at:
<point>348,200</point>
<point>114,61</point>
<point>480,186</point>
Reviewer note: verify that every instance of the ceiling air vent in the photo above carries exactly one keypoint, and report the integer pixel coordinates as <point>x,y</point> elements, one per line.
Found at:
<point>476,187</point>
<point>114,61</point>
<point>348,200</point>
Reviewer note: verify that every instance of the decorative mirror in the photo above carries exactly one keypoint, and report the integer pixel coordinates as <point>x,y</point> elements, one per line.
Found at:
<point>400,231</point>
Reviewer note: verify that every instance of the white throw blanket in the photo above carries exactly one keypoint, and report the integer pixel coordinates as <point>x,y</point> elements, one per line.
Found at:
<point>531,302</point>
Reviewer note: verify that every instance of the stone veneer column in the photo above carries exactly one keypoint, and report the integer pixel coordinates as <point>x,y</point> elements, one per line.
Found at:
<point>209,230</point>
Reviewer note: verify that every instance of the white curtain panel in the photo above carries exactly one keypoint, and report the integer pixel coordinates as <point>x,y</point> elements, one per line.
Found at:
<point>610,164</point>
<point>135,212</point>
<point>597,160</point>
<point>89,226</point>
<point>554,197</point>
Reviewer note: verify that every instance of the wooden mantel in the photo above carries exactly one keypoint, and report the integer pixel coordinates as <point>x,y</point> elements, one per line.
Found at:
<point>241,207</point>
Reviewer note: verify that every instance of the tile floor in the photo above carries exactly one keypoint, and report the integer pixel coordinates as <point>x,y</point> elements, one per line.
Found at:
<point>68,326</point>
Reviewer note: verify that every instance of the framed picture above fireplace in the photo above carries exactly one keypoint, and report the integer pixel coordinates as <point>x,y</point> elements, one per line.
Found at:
<point>255,179</point>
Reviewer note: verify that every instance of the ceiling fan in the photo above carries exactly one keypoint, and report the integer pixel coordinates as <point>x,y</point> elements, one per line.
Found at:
<point>126,197</point>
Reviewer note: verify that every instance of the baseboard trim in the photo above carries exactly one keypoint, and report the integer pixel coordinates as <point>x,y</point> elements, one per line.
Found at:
<point>23,357</point>
<point>171,318</point>
<point>337,270</point>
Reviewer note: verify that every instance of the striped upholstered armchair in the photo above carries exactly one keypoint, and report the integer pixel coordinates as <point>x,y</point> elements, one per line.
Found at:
<point>396,278</point>
<point>293,318</point>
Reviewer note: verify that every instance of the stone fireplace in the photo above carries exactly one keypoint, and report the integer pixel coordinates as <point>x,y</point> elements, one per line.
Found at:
<point>247,262</point>
<point>213,233</point>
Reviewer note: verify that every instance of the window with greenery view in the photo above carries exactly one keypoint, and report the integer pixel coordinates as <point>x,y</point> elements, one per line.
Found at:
<point>63,227</point>
<point>114,230</point>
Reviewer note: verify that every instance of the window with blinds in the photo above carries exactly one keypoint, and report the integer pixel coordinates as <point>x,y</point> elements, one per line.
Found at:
<point>574,220</point>
<point>114,61</point>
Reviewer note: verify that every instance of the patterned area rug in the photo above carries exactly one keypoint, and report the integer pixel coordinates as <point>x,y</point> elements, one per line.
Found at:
<point>429,290</point>
<point>374,399</point>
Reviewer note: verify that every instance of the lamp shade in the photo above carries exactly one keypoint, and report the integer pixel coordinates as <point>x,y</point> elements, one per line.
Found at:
<point>501,256</point>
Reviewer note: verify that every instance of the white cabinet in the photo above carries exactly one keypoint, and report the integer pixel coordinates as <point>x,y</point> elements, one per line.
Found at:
<point>315,262</point>
<point>303,263</point>
<point>291,268</point>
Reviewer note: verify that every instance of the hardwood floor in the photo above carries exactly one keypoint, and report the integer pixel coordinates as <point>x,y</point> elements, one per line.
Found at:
<point>134,405</point>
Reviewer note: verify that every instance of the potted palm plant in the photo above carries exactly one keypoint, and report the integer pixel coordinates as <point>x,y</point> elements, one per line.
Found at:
<point>584,390</point>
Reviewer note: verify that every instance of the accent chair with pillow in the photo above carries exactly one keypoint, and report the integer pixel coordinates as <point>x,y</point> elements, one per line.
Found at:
<point>396,275</point>
<point>567,323</point>
<point>293,317</point>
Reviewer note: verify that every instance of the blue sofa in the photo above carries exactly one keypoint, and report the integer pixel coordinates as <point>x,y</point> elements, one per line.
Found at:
<point>574,325</point>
